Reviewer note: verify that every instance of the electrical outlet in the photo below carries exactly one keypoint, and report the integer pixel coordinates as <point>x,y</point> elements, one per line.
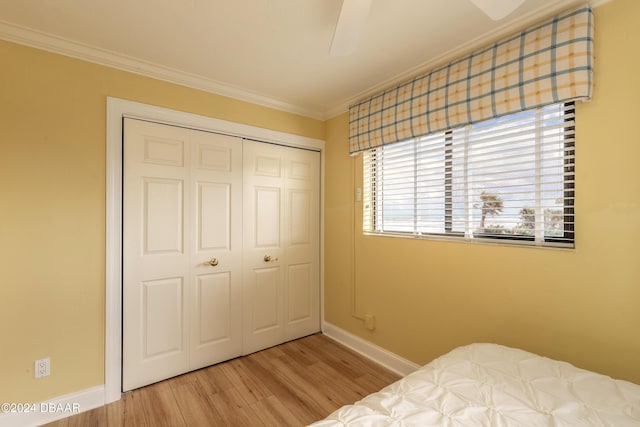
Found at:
<point>370,321</point>
<point>43,367</point>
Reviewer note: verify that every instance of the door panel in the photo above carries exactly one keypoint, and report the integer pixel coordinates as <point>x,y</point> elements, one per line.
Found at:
<point>299,216</point>
<point>163,204</point>
<point>214,301</point>
<point>263,221</point>
<point>281,244</point>
<point>164,151</point>
<point>214,216</point>
<point>302,170</point>
<point>215,158</point>
<point>300,292</point>
<point>266,165</point>
<point>155,267</point>
<point>216,315</point>
<point>302,214</point>
<point>182,191</point>
<point>267,217</point>
<point>162,315</point>
<point>266,290</point>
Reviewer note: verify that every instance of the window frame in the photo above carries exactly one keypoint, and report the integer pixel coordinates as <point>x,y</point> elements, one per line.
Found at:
<point>566,241</point>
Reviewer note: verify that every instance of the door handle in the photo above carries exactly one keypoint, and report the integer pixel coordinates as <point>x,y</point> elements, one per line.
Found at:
<point>213,262</point>
<point>268,258</point>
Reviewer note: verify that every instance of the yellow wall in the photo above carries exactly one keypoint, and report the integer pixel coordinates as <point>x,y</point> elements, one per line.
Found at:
<point>52,208</point>
<point>581,305</point>
<point>428,296</point>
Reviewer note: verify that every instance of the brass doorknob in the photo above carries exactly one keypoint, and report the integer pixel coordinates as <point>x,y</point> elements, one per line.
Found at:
<point>268,258</point>
<point>213,262</point>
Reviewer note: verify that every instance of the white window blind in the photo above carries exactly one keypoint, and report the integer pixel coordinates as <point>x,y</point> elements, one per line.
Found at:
<point>510,178</point>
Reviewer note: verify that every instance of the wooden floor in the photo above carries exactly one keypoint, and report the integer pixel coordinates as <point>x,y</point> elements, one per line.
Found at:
<point>293,384</point>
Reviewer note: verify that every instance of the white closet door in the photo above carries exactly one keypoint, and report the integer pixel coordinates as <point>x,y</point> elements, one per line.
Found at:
<point>281,244</point>
<point>182,200</point>
<point>216,230</point>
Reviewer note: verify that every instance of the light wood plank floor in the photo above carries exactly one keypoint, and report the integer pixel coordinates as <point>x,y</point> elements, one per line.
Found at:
<point>293,384</point>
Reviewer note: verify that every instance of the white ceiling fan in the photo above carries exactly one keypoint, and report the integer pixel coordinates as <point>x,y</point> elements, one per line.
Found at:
<point>353,15</point>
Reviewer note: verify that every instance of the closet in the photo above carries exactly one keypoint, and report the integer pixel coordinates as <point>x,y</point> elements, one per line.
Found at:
<point>220,248</point>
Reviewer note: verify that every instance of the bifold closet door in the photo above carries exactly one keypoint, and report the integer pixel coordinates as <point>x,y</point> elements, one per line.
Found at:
<point>281,244</point>
<point>182,251</point>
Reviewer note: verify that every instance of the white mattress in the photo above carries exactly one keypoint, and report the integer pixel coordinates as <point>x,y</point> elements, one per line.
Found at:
<point>493,385</point>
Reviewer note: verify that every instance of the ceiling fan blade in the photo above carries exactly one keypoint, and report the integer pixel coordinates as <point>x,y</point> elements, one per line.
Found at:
<point>497,9</point>
<point>353,15</point>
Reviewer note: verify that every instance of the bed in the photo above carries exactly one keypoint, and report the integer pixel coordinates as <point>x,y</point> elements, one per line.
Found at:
<point>493,385</point>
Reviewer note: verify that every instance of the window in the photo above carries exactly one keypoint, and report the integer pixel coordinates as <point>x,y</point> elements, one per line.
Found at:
<point>510,178</point>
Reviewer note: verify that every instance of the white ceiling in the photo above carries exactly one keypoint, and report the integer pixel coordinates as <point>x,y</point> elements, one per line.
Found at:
<point>271,52</point>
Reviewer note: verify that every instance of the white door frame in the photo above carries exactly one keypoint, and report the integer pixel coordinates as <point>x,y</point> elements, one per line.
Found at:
<point>116,110</point>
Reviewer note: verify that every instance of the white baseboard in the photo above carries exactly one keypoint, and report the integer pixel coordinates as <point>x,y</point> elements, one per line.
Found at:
<point>55,409</point>
<point>389,360</point>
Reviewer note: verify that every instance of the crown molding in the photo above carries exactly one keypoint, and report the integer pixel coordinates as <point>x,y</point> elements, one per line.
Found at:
<point>85,52</point>
<point>464,49</point>
<point>40,40</point>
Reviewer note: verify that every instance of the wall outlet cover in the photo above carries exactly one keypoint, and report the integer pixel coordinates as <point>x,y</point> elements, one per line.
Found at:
<point>42,367</point>
<point>370,321</point>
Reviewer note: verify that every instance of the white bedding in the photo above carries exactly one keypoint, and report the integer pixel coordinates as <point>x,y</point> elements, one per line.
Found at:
<point>493,385</point>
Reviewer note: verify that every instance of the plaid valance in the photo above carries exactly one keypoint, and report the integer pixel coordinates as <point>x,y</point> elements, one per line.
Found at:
<point>549,63</point>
